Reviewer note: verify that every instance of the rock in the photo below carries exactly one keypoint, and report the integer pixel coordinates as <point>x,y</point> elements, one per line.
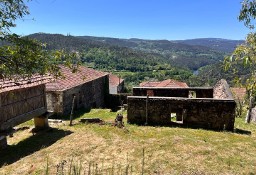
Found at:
<point>253,115</point>
<point>91,120</point>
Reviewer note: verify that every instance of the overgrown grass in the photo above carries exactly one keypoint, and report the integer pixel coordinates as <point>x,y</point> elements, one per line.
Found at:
<point>105,149</point>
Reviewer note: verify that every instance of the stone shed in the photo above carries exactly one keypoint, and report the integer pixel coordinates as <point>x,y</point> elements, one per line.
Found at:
<point>90,88</point>
<point>210,108</point>
<point>21,100</point>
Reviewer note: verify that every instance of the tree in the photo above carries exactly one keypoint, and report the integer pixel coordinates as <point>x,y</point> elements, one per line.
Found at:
<point>246,54</point>
<point>21,56</point>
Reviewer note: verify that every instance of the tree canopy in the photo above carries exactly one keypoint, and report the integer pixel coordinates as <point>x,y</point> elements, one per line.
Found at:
<point>246,54</point>
<point>21,56</point>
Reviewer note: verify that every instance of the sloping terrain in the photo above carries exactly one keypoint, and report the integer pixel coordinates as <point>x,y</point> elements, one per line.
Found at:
<point>105,149</point>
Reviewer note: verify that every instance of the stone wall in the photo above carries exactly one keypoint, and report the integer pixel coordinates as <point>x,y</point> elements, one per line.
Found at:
<point>173,92</point>
<point>88,95</point>
<point>203,113</point>
<point>222,91</point>
<point>115,101</point>
<point>54,100</point>
<point>211,108</point>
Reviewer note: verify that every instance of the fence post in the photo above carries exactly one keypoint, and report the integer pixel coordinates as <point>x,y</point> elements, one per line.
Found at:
<point>146,110</point>
<point>72,110</point>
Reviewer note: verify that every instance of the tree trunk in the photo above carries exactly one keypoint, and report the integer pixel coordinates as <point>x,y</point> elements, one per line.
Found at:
<point>249,113</point>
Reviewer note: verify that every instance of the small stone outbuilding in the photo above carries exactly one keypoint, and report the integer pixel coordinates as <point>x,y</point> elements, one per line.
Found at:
<point>89,87</point>
<point>203,107</point>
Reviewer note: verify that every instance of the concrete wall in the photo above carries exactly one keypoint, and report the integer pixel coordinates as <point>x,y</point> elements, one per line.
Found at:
<point>91,94</point>
<point>203,113</point>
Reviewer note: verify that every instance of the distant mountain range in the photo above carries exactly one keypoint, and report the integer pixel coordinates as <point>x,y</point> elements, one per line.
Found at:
<point>218,44</point>
<point>224,45</point>
<point>191,54</point>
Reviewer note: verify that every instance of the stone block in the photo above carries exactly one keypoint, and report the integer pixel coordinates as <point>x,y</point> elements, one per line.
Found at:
<point>41,122</point>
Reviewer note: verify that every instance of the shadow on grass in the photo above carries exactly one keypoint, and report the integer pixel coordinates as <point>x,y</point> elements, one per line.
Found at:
<point>194,126</point>
<point>241,131</point>
<point>30,145</point>
<point>78,113</point>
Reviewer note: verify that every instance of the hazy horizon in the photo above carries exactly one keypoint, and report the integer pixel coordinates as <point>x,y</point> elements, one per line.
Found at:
<point>144,19</point>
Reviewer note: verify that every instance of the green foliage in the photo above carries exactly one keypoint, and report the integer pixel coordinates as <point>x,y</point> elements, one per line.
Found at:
<point>135,78</point>
<point>248,13</point>
<point>244,57</point>
<point>163,51</point>
<point>22,57</point>
<point>133,65</point>
<point>122,59</point>
<point>10,10</point>
<point>26,57</point>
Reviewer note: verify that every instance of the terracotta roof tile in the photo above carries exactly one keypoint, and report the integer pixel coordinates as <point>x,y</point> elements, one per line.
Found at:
<point>239,93</point>
<point>70,79</point>
<point>165,83</point>
<point>11,84</point>
<point>149,84</point>
<point>114,80</point>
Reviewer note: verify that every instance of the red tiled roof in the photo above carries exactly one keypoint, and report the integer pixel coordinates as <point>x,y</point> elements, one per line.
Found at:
<point>239,93</point>
<point>114,80</point>
<point>9,85</point>
<point>149,84</point>
<point>165,83</point>
<point>70,79</point>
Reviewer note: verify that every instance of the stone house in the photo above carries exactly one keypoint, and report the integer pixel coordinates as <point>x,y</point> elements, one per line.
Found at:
<point>116,84</point>
<point>208,107</point>
<point>87,86</point>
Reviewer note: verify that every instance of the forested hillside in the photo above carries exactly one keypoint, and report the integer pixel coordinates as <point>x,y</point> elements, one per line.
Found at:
<point>179,54</point>
<point>138,60</point>
<point>219,44</point>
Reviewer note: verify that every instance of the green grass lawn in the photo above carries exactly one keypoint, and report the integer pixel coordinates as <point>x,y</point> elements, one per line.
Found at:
<point>105,149</point>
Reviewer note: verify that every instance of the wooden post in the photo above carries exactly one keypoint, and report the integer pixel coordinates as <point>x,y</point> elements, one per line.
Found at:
<point>146,110</point>
<point>72,110</point>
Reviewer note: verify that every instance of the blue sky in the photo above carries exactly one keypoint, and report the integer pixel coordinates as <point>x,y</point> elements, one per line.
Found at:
<point>146,19</point>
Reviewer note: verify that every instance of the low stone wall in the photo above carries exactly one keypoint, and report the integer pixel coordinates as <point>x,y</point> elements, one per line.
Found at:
<point>192,112</point>
<point>204,92</point>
